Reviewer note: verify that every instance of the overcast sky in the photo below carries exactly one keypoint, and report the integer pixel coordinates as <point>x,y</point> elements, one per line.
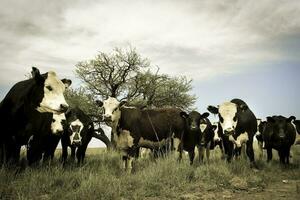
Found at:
<point>245,49</point>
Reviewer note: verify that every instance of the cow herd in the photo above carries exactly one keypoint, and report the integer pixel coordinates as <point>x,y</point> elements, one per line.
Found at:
<point>35,113</point>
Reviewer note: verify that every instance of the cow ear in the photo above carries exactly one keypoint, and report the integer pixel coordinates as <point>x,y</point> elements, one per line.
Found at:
<point>205,115</point>
<point>99,103</point>
<point>184,115</point>
<point>122,103</point>
<point>270,119</point>
<point>213,109</point>
<point>67,82</point>
<point>291,118</point>
<point>243,107</point>
<point>35,72</point>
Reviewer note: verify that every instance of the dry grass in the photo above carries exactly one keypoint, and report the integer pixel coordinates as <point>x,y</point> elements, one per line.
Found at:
<point>101,178</point>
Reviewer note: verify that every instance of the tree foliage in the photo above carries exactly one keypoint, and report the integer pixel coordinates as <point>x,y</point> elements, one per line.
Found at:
<point>124,74</point>
<point>108,74</point>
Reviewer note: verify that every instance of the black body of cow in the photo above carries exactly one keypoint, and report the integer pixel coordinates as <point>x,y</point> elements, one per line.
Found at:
<point>18,115</point>
<point>279,133</point>
<point>246,122</point>
<point>86,135</point>
<point>193,135</point>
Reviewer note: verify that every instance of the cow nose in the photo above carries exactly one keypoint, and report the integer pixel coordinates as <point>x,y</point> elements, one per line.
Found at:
<point>107,118</point>
<point>64,107</point>
<point>76,136</point>
<point>228,131</point>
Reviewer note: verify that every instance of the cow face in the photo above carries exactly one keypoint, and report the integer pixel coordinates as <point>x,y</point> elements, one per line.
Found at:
<point>52,90</point>
<point>193,120</point>
<point>111,109</point>
<point>280,125</point>
<point>227,116</point>
<point>75,129</point>
<point>58,123</point>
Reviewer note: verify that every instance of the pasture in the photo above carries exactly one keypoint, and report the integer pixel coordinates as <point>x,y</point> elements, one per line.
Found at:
<point>102,178</point>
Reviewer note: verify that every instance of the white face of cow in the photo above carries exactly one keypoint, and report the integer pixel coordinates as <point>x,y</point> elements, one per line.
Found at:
<point>227,116</point>
<point>111,109</point>
<point>57,123</point>
<point>76,128</point>
<point>53,100</point>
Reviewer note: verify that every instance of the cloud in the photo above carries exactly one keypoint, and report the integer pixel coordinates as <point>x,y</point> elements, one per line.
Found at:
<point>199,39</point>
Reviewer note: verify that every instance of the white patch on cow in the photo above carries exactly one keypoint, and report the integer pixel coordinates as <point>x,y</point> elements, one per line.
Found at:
<point>228,112</point>
<point>202,127</point>
<point>241,139</point>
<point>53,95</point>
<point>77,122</point>
<point>111,109</point>
<point>56,125</point>
<point>145,153</point>
<point>124,140</point>
<point>216,135</point>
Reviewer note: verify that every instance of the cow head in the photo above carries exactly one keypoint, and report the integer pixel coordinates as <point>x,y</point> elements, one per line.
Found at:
<point>49,92</point>
<point>215,128</point>
<point>193,122</point>
<point>111,107</point>
<point>227,113</point>
<point>58,123</point>
<point>279,124</point>
<point>75,129</point>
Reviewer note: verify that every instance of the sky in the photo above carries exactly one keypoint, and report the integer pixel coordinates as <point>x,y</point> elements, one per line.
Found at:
<point>230,49</point>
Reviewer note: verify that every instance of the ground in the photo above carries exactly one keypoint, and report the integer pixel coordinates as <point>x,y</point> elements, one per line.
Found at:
<point>102,178</point>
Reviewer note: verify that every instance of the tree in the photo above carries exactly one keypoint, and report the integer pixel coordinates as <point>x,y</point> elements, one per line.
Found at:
<point>108,74</point>
<point>161,90</point>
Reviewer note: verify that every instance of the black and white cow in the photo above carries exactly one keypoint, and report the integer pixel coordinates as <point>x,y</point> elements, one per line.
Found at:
<point>47,142</point>
<point>218,138</point>
<point>238,125</point>
<point>25,103</point>
<point>296,123</point>
<point>133,127</point>
<point>77,134</point>
<point>279,133</point>
<point>199,132</point>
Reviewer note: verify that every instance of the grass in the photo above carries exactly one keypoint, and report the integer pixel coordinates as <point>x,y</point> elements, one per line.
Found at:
<point>102,178</point>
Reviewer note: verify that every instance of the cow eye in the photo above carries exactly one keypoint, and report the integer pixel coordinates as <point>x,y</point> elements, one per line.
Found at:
<point>53,120</point>
<point>49,88</point>
<point>235,118</point>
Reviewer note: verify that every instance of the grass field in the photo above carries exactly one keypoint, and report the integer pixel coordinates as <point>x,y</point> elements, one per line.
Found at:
<point>101,178</point>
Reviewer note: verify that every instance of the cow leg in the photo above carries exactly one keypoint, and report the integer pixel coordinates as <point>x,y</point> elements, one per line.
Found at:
<point>64,153</point>
<point>249,150</point>
<point>124,162</point>
<point>260,149</point>
<point>129,164</point>
<point>81,154</point>
<point>73,151</point>
<point>178,149</point>
<point>191,156</point>
<point>288,150</point>
<point>200,153</point>
<point>269,154</point>
<point>208,152</point>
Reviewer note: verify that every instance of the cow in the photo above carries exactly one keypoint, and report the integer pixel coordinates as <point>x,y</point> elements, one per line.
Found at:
<point>77,134</point>
<point>199,133</point>
<point>134,127</point>
<point>44,145</point>
<point>238,125</point>
<point>25,103</point>
<point>218,138</point>
<point>279,133</point>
